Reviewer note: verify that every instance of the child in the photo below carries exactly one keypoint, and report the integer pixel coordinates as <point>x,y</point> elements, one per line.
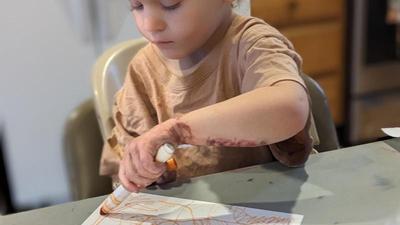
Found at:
<point>227,84</point>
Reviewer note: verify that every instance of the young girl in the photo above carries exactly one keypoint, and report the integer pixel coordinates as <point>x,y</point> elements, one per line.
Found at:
<point>228,85</point>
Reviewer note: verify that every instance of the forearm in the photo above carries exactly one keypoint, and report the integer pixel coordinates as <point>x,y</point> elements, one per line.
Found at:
<point>260,117</point>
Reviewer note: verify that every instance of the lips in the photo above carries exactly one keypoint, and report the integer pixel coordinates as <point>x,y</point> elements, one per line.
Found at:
<point>162,44</point>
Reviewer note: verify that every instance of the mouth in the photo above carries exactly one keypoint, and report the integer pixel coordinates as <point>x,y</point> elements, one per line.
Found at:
<point>162,43</point>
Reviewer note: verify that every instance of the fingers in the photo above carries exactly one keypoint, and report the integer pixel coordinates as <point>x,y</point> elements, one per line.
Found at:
<point>124,180</point>
<point>132,173</point>
<point>140,174</point>
<point>149,166</point>
<point>140,168</point>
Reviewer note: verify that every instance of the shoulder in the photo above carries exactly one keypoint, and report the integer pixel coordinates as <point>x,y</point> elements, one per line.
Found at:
<point>145,63</point>
<point>142,57</point>
<point>255,38</point>
<point>248,32</point>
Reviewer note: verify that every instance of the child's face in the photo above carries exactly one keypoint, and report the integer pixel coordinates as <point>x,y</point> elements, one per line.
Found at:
<point>179,28</point>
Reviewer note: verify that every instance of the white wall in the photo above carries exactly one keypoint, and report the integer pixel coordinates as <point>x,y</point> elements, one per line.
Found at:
<point>45,73</point>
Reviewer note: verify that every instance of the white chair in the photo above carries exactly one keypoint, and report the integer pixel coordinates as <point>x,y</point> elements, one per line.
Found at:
<point>107,78</point>
<point>82,151</point>
<point>90,123</point>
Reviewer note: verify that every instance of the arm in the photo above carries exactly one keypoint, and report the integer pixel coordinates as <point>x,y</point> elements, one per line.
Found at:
<point>263,116</point>
<point>271,109</point>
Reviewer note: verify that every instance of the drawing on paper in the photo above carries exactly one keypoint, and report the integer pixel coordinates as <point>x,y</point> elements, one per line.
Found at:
<point>160,210</point>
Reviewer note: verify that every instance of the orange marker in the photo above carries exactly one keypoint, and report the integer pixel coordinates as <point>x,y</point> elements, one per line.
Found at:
<point>164,155</point>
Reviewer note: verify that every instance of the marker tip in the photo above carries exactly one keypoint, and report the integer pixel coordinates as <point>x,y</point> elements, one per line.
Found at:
<point>102,212</point>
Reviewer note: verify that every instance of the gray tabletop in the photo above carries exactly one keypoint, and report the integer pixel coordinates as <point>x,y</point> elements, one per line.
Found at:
<point>358,185</point>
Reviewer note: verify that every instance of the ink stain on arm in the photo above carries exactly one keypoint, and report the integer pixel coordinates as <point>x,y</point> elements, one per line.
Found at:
<point>232,142</point>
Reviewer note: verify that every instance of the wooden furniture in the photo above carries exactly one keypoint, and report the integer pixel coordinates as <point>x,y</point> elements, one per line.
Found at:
<point>316,28</point>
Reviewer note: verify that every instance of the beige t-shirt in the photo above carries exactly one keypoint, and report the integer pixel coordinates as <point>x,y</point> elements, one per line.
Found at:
<point>252,54</point>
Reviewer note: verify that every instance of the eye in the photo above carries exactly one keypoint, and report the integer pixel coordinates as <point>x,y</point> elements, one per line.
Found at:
<point>172,7</point>
<point>136,5</point>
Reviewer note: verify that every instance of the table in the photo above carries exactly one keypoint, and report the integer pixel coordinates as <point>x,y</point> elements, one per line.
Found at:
<point>359,185</point>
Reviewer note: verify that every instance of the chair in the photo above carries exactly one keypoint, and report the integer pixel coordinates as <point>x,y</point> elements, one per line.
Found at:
<point>82,149</point>
<point>108,76</point>
<point>324,124</point>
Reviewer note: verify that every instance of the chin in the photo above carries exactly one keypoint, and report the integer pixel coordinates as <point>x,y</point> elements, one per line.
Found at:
<point>171,54</point>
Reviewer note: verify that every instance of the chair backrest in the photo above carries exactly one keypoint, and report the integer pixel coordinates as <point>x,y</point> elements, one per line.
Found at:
<point>82,149</point>
<point>322,116</point>
<point>107,78</point>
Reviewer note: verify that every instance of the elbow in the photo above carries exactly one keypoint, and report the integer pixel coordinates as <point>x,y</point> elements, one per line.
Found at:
<point>290,153</point>
<point>297,113</point>
<point>295,149</point>
<point>297,161</point>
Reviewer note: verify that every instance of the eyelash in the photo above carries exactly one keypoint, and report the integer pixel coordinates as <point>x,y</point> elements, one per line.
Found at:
<point>168,8</point>
<point>172,7</point>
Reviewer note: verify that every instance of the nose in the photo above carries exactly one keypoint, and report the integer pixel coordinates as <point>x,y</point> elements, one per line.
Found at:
<point>153,23</point>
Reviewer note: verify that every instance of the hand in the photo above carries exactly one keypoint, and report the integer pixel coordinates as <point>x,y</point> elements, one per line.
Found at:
<point>138,167</point>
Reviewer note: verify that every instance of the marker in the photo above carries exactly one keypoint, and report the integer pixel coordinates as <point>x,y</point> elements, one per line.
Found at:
<point>164,154</point>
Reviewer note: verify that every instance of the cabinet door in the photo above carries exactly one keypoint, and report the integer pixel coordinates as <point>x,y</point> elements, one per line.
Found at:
<point>319,44</point>
<point>369,115</point>
<point>285,12</point>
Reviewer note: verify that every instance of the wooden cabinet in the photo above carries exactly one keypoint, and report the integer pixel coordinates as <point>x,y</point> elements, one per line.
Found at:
<point>316,28</point>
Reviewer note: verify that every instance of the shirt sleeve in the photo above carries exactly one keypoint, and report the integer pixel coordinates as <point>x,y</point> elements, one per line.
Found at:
<point>131,118</point>
<point>268,59</point>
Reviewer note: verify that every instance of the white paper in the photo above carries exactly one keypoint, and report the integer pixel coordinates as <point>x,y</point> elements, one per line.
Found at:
<point>154,209</point>
<point>392,131</point>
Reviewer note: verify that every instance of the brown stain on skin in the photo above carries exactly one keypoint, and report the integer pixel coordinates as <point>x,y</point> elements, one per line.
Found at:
<point>184,132</point>
<point>231,143</point>
<point>185,135</point>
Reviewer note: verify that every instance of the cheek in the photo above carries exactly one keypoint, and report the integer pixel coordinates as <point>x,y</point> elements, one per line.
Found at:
<point>185,30</point>
<point>191,30</point>
<point>138,23</point>
<point>140,29</point>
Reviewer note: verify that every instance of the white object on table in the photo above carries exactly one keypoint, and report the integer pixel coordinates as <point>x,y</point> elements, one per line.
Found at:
<point>392,131</point>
